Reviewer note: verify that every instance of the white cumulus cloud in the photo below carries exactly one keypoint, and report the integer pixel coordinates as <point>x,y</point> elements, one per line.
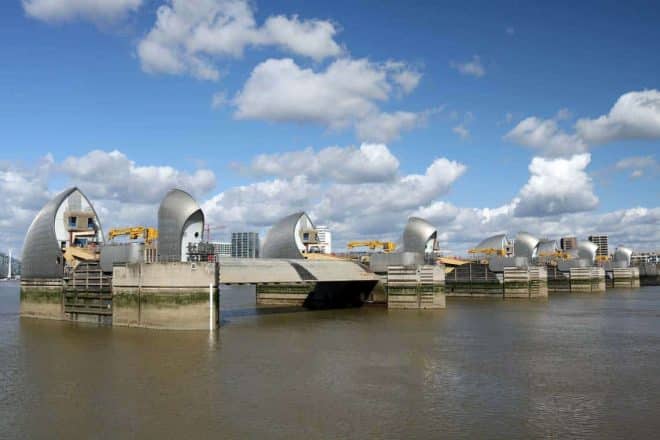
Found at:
<point>112,175</point>
<point>368,163</point>
<point>545,136</point>
<point>635,115</point>
<point>188,37</point>
<point>345,93</point>
<point>387,127</point>
<point>557,186</point>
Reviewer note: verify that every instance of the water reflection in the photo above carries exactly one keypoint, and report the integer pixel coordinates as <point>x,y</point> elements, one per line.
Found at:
<point>573,366</point>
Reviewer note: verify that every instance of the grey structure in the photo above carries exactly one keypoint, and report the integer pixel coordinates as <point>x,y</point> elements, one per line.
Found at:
<point>42,252</point>
<point>525,245</point>
<point>420,236</point>
<point>419,247</point>
<point>121,253</point>
<point>587,251</point>
<point>245,244</point>
<point>622,257</point>
<point>179,214</point>
<point>379,262</point>
<point>547,248</point>
<point>284,240</point>
<point>499,242</point>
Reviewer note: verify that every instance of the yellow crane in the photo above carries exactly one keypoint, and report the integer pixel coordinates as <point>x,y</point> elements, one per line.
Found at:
<point>488,251</point>
<point>557,254</point>
<point>135,232</point>
<point>387,246</point>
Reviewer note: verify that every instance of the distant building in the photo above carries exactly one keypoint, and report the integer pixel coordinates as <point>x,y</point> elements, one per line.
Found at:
<point>222,249</point>
<point>324,239</point>
<point>568,243</point>
<point>245,244</point>
<point>4,266</point>
<point>602,242</point>
<point>644,257</point>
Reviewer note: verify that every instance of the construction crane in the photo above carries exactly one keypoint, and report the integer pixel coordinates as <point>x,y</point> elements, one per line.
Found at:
<point>135,232</point>
<point>208,228</point>
<point>488,251</point>
<point>387,246</point>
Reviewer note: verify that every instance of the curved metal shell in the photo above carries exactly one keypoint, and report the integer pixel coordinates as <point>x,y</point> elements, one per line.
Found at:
<point>419,236</point>
<point>622,256</point>
<point>42,254</point>
<point>499,242</point>
<point>547,248</point>
<point>283,240</point>
<point>587,250</point>
<point>177,211</point>
<point>525,245</point>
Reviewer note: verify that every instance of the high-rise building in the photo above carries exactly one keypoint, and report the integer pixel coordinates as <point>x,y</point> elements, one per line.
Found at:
<point>245,244</point>
<point>221,249</point>
<point>568,243</point>
<point>602,242</point>
<point>325,239</point>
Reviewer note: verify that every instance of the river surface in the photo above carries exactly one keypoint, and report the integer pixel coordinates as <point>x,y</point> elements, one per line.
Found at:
<point>574,366</point>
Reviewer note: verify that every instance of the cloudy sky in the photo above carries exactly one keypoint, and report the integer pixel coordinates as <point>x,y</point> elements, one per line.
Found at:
<point>481,118</point>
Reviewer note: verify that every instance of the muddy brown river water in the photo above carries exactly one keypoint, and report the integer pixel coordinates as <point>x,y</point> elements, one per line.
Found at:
<point>574,366</point>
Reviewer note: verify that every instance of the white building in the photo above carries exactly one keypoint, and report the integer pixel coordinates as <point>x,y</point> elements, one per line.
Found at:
<point>645,257</point>
<point>325,239</point>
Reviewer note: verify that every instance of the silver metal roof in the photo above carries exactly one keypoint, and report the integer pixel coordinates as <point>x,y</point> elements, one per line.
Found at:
<point>42,256</point>
<point>622,256</point>
<point>417,234</point>
<point>177,210</point>
<point>525,245</point>
<point>587,250</point>
<point>282,241</point>
<point>547,247</point>
<point>495,242</point>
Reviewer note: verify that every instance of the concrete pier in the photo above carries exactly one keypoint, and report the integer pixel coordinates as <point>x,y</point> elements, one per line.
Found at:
<point>649,274</point>
<point>172,296</point>
<point>623,277</point>
<point>42,298</point>
<point>474,280</point>
<point>415,287</point>
<point>587,279</point>
<point>558,281</point>
<point>531,282</point>
<point>478,280</point>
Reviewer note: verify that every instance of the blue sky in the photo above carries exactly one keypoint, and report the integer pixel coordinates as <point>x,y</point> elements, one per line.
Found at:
<point>75,79</point>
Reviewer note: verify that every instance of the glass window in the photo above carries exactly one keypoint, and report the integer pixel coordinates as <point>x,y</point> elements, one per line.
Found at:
<point>72,222</point>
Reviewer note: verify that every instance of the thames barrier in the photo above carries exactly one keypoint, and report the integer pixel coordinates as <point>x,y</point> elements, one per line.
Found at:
<point>169,280</point>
